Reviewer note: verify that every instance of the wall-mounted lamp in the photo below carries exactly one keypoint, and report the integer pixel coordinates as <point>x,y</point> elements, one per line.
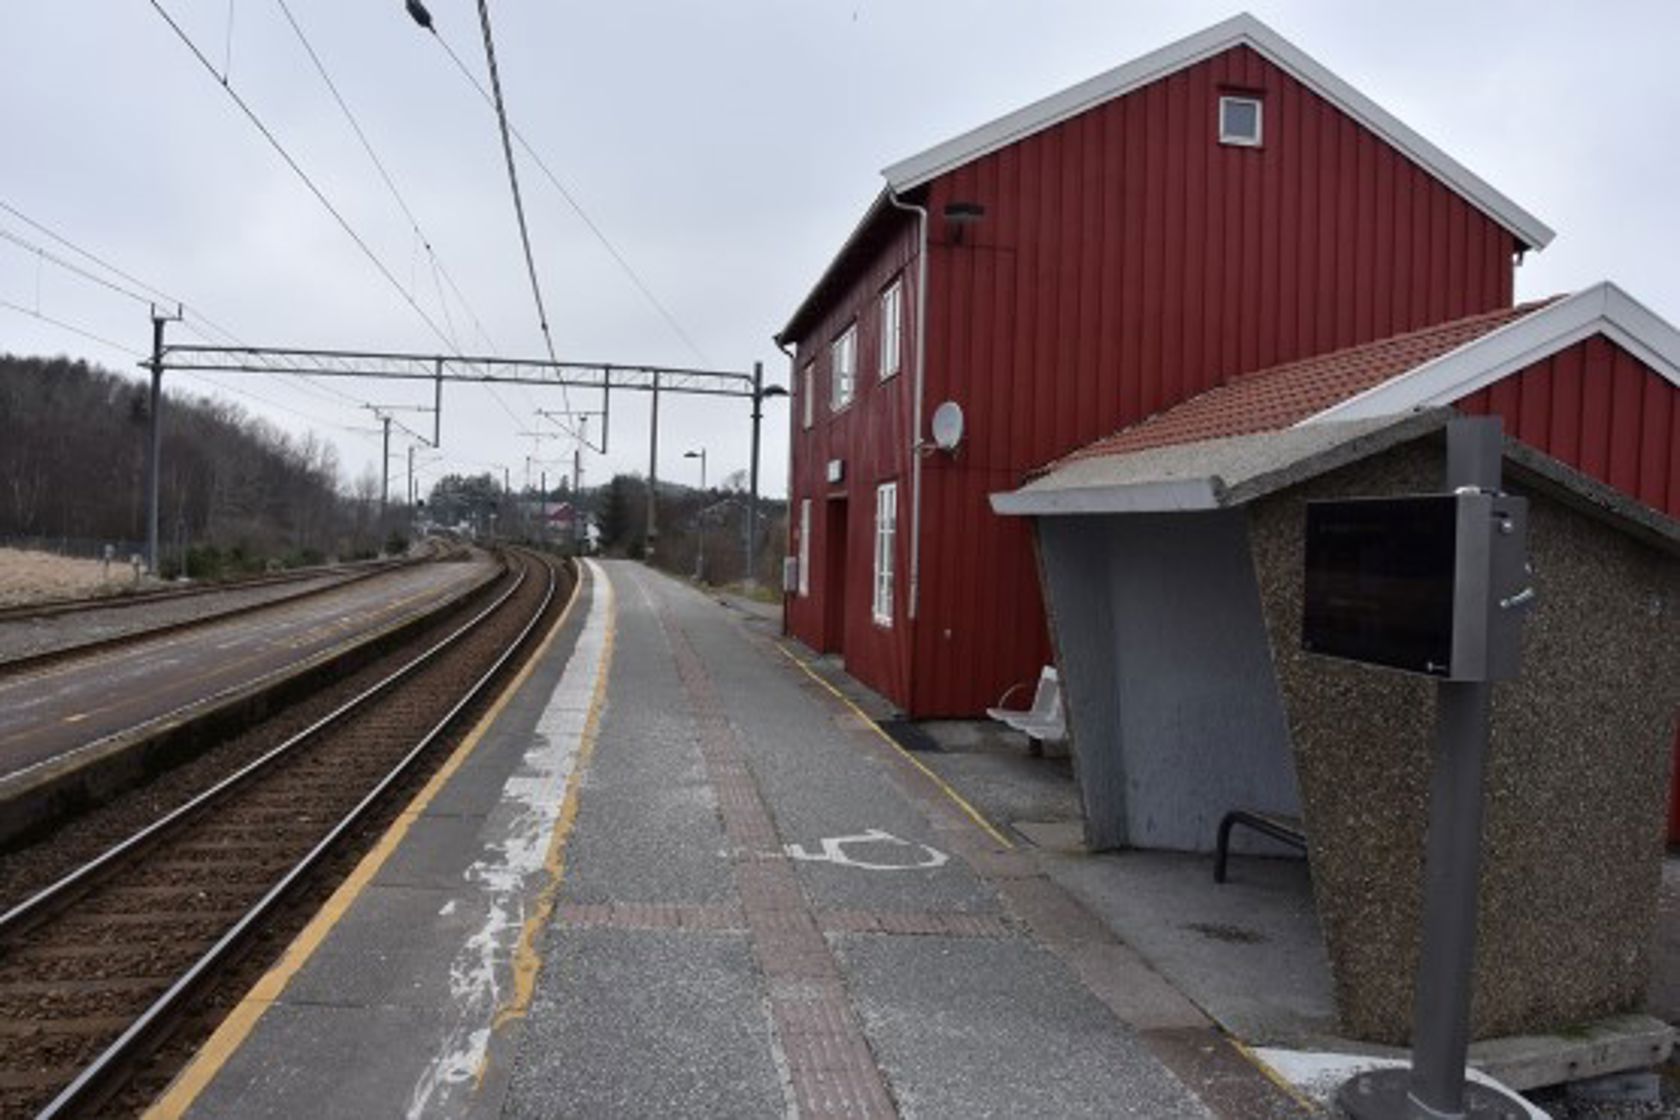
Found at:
<point>960,214</point>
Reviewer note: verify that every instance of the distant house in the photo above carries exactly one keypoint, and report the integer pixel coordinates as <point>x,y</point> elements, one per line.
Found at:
<point>1223,205</point>
<point>557,519</point>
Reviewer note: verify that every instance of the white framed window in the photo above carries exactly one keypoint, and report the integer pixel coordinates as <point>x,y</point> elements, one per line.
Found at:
<point>1240,121</point>
<point>843,367</point>
<point>892,328</point>
<point>805,548</point>
<point>886,533</point>
<point>807,394</point>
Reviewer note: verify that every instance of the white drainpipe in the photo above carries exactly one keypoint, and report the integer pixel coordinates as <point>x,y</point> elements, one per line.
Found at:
<point>916,405</point>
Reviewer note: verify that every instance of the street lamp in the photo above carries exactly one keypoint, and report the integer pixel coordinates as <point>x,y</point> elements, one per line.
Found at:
<point>761,393</point>
<point>700,455</point>
<point>699,520</point>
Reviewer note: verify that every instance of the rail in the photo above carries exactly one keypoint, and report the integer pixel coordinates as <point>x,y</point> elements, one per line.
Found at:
<point>72,888</point>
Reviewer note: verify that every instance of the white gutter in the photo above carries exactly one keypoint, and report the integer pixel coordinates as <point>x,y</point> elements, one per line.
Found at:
<point>916,405</point>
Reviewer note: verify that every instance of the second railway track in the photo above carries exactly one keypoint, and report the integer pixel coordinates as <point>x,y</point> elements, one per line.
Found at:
<point>96,968</point>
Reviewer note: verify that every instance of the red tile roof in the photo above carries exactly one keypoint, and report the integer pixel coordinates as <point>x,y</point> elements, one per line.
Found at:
<point>1279,397</point>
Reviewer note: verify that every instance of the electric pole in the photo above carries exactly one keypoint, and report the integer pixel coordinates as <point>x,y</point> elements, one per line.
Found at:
<point>385,472</point>
<point>653,472</point>
<point>155,436</point>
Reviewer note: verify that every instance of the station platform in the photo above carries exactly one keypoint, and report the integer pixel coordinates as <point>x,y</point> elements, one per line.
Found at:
<point>675,872</point>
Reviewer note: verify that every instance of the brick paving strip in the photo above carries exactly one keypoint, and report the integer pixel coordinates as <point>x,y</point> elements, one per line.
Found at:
<point>646,915</point>
<point>831,1070</point>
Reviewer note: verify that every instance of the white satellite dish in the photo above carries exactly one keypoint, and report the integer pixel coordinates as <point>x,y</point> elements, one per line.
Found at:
<point>947,426</point>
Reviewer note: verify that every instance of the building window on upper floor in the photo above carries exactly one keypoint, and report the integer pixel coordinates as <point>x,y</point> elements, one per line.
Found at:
<point>886,533</point>
<point>892,328</point>
<point>807,394</point>
<point>1240,121</point>
<point>843,367</point>
<point>805,548</point>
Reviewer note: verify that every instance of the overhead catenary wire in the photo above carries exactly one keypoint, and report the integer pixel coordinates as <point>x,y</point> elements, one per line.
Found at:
<point>437,266</point>
<point>303,176</point>
<point>131,352</point>
<point>623,263</point>
<point>210,331</point>
<point>71,327</point>
<point>319,421</point>
<point>92,258</point>
<point>314,189</point>
<point>43,254</point>
<point>518,200</point>
<point>385,175</point>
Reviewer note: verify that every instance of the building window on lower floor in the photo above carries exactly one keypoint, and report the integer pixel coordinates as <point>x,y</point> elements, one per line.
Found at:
<point>804,548</point>
<point>886,533</point>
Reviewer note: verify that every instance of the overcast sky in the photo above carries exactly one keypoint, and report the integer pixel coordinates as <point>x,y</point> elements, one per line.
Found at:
<point>725,149</point>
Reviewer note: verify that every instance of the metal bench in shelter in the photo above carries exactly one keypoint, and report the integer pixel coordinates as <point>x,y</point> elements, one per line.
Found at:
<point>1042,723</point>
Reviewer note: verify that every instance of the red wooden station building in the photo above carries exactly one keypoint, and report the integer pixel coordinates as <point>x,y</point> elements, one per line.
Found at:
<point>1222,206</point>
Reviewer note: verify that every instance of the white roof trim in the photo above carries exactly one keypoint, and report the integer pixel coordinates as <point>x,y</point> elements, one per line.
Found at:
<point>1240,29</point>
<point>1145,497</point>
<point>1602,309</point>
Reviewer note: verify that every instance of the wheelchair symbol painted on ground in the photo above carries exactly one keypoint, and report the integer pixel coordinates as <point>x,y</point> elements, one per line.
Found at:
<point>833,850</point>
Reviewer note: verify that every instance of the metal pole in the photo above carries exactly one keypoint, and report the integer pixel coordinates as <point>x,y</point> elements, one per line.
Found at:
<point>542,509</point>
<point>700,524</point>
<point>752,486</point>
<point>700,554</point>
<point>1441,1015</point>
<point>653,473</point>
<point>1435,1087</point>
<point>154,443</point>
<point>385,474</point>
<point>437,406</point>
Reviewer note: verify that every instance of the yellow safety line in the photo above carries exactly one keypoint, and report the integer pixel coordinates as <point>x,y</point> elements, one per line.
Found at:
<point>1276,1078</point>
<point>944,786</point>
<point>237,1027</point>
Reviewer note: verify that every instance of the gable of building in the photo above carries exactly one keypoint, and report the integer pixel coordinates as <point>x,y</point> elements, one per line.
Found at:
<point>1240,30</point>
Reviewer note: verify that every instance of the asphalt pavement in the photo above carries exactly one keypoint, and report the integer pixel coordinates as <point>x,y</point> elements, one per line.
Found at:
<point>677,873</point>
<point>769,909</point>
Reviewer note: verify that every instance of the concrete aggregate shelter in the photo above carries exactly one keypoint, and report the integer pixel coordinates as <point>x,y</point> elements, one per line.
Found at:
<point>1576,774</point>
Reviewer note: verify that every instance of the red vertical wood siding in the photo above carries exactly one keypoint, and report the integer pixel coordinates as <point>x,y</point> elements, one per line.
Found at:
<point>1126,261</point>
<point>1674,794</point>
<point>869,437</point>
<point>1131,261</point>
<point>1598,408</point>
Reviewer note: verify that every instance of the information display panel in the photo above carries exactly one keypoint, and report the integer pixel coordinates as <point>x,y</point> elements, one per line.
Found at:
<point>1380,581</point>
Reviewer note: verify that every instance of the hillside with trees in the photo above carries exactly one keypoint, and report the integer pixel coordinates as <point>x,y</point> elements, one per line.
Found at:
<point>234,492</point>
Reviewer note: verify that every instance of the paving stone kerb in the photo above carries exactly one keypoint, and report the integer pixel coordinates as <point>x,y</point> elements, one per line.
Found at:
<point>1577,772</point>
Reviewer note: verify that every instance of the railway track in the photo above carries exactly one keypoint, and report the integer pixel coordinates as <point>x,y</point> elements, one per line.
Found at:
<point>99,967</point>
<point>50,608</point>
<point>45,647</point>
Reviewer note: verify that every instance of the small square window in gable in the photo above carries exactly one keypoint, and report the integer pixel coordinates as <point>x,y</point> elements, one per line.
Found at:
<point>1240,120</point>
